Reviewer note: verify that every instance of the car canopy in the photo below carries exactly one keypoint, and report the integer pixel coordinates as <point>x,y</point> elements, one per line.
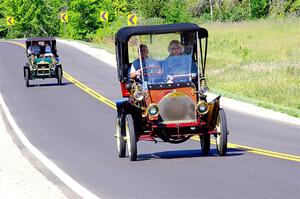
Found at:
<point>51,40</point>
<point>124,34</point>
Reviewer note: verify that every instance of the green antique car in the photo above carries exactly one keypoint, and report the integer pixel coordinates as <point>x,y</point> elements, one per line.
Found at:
<point>43,61</point>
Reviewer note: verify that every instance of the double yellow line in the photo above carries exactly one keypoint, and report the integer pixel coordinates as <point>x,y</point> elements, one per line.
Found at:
<point>90,91</point>
<point>111,104</point>
<point>264,152</point>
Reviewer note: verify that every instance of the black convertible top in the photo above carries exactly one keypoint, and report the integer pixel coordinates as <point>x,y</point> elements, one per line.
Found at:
<point>124,34</point>
<point>52,40</point>
<point>40,39</point>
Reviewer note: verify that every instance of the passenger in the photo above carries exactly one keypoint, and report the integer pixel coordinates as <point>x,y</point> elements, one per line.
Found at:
<point>175,48</point>
<point>34,48</point>
<point>135,69</point>
<point>48,50</point>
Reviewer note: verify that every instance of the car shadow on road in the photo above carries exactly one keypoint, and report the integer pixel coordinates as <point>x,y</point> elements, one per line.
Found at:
<point>188,154</point>
<point>50,84</point>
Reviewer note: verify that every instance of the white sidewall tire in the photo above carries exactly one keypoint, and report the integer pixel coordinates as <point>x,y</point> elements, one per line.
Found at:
<point>131,138</point>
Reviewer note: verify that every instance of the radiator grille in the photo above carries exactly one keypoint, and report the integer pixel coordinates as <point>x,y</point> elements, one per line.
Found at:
<point>177,108</point>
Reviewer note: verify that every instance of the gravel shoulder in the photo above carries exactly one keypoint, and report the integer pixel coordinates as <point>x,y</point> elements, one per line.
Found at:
<point>18,177</point>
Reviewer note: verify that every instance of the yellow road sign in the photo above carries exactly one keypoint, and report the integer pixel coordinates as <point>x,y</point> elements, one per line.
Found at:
<point>103,16</point>
<point>10,21</point>
<point>64,17</point>
<point>132,19</point>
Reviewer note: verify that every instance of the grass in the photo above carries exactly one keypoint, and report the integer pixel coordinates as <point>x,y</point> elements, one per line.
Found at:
<point>255,61</point>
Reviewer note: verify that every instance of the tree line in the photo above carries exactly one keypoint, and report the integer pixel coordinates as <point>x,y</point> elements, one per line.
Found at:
<point>42,17</point>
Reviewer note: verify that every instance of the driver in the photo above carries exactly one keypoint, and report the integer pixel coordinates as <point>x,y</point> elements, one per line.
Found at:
<point>135,69</point>
<point>34,48</point>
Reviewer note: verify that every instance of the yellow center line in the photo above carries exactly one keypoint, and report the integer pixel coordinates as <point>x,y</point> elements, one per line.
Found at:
<point>258,151</point>
<point>111,104</point>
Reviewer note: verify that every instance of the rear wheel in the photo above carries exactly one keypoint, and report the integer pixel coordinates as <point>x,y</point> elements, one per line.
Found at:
<point>131,138</point>
<point>26,76</point>
<point>205,143</point>
<point>221,139</point>
<point>121,143</point>
<point>59,76</point>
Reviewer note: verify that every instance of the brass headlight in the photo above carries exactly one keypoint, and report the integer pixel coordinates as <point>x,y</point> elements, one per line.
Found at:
<point>153,110</point>
<point>138,95</point>
<point>51,66</point>
<point>33,67</point>
<point>202,107</point>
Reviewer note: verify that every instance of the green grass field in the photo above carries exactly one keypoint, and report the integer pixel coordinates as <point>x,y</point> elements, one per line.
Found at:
<point>255,61</point>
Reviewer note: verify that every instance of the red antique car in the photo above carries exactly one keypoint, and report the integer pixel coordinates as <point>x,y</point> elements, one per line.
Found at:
<point>164,89</point>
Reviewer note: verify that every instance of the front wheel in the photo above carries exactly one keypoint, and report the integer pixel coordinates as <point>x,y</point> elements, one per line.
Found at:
<point>26,76</point>
<point>205,143</point>
<point>59,76</point>
<point>121,143</point>
<point>131,138</point>
<point>221,139</point>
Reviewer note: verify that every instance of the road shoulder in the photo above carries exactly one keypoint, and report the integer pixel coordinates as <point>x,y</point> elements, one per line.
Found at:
<point>21,175</point>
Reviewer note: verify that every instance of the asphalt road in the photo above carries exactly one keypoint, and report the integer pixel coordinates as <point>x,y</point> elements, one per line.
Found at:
<point>75,131</point>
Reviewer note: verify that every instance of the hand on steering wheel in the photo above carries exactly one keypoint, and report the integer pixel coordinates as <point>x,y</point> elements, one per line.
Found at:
<point>158,70</point>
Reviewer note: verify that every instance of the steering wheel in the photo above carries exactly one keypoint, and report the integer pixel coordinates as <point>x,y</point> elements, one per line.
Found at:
<point>157,69</point>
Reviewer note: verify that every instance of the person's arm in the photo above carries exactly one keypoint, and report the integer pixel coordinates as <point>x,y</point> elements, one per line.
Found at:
<point>134,73</point>
<point>29,50</point>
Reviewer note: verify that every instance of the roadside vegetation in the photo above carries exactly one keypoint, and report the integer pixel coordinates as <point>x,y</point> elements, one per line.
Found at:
<point>252,61</point>
<point>257,62</point>
<point>254,45</point>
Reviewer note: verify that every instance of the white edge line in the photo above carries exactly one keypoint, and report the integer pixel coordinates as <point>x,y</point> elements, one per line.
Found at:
<point>70,182</point>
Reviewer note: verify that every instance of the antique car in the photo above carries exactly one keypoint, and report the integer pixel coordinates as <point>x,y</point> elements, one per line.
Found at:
<point>43,61</point>
<point>168,102</point>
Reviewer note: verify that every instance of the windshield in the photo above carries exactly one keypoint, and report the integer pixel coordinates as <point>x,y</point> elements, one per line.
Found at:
<point>173,69</point>
<point>165,59</point>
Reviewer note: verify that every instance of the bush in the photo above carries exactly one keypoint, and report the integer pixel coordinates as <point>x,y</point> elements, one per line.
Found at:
<point>259,8</point>
<point>175,11</point>
<point>83,18</point>
<point>280,8</point>
<point>232,11</point>
<point>149,8</point>
<point>109,31</point>
<point>152,21</point>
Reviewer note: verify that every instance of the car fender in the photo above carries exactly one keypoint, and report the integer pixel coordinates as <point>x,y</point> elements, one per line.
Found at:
<point>213,111</point>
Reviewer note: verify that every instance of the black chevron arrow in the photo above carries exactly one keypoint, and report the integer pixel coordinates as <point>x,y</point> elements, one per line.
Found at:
<point>103,16</point>
<point>63,17</point>
<point>131,19</point>
<point>9,20</point>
